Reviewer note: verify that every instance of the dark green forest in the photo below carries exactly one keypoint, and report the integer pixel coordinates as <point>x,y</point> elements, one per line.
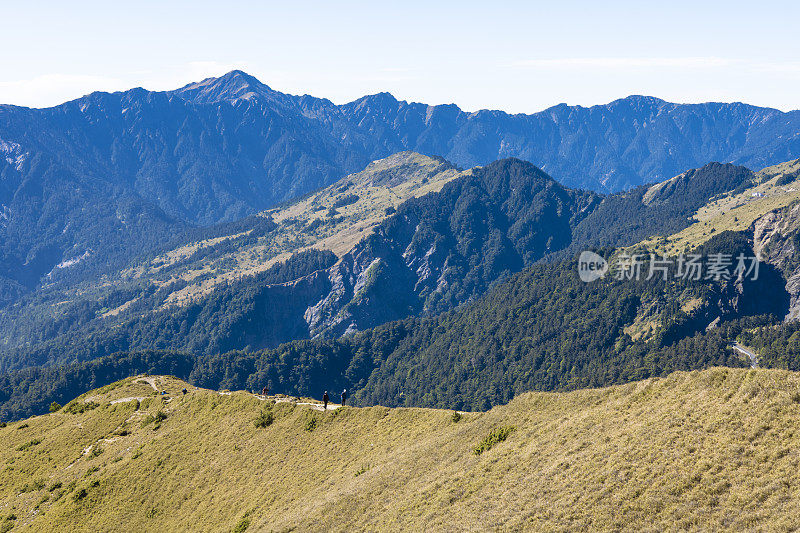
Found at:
<point>538,329</point>
<point>466,238</point>
<point>542,329</point>
<point>216,324</point>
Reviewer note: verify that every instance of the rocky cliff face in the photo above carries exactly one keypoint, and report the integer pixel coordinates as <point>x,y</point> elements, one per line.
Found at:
<point>446,248</point>
<point>776,237</point>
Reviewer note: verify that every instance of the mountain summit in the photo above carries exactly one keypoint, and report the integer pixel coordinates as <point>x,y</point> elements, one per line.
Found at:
<point>231,87</point>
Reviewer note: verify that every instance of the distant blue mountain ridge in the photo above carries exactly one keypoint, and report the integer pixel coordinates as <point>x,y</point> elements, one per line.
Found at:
<point>108,174</point>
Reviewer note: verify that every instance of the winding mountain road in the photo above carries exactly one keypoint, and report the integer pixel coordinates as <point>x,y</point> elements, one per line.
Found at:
<point>753,357</point>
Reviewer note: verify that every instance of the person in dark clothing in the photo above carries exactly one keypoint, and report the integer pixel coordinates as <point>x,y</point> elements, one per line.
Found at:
<point>325,401</point>
<point>344,397</point>
<point>265,391</point>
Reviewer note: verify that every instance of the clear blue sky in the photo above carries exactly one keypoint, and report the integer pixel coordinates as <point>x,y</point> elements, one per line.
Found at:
<point>515,56</point>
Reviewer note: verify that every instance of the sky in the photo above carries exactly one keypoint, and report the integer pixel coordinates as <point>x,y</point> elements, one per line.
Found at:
<point>519,57</point>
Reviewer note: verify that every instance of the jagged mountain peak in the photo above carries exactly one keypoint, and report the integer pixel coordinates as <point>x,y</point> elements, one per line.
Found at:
<point>231,87</point>
<point>640,99</point>
<point>373,101</point>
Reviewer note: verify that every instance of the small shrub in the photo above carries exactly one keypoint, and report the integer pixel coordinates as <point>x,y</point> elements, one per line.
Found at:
<point>29,444</point>
<point>264,419</point>
<point>362,470</point>
<point>346,200</point>
<point>159,417</point>
<point>81,494</point>
<point>496,436</point>
<point>456,416</point>
<point>311,424</point>
<point>22,426</point>
<point>7,523</point>
<point>55,407</point>
<point>34,485</point>
<point>96,450</point>
<point>243,524</point>
<point>76,407</point>
<point>54,486</point>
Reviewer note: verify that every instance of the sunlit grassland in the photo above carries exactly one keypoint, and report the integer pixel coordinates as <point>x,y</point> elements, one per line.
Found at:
<point>736,212</point>
<point>706,450</point>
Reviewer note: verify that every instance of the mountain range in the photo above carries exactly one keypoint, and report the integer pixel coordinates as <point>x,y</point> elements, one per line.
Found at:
<point>408,236</point>
<point>419,284</point>
<point>214,232</point>
<point>98,179</point>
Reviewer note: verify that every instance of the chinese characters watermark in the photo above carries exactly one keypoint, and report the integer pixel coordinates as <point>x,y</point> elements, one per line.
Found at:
<point>692,267</point>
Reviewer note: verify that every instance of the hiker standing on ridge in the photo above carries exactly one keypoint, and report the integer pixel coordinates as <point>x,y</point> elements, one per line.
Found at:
<point>325,401</point>
<point>344,397</point>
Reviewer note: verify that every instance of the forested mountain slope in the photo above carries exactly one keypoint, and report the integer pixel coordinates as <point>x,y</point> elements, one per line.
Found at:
<point>542,329</point>
<point>413,237</point>
<point>99,177</point>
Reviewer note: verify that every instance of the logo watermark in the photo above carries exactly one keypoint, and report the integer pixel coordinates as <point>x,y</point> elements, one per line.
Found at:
<point>591,266</point>
<point>692,267</point>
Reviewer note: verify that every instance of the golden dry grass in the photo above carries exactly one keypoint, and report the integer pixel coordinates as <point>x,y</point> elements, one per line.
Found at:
<point>711,450</point>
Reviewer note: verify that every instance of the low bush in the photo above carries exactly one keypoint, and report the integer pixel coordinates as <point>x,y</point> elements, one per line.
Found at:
<point>31,486</point>
<point>496,436</point>
<point>311,424</point>
<point>76,407</point>
<point>29,444</point>
<point>264,419</point>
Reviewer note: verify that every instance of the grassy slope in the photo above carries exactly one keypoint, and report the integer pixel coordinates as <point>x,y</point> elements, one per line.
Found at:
<point>383,184</point>
<point>735,212</point>
<point>712,449</point>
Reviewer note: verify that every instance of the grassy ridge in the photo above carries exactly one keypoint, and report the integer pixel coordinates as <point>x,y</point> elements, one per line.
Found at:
<point>774,188</point>
<point>709,450</point>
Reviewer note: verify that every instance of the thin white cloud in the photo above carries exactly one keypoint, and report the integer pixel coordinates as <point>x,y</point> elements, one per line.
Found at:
<point>623,62</point>
<point>55,88</point>
<point>789,67</point>
<point>52,89</point>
